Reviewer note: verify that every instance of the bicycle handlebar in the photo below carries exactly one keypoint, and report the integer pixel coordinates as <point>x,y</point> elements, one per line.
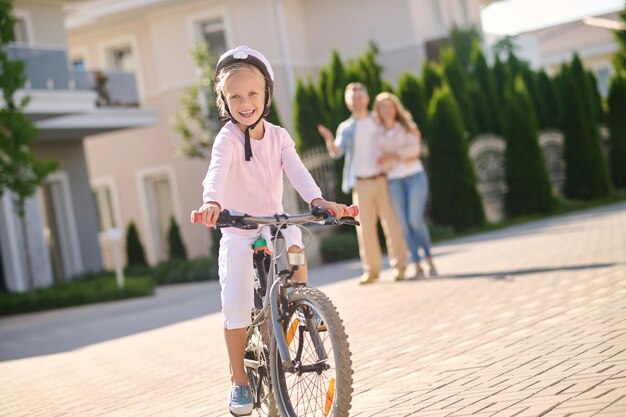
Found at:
<point>231,218</point>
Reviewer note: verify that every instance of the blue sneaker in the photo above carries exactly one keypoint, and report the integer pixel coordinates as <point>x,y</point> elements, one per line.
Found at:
<point>240,401</point>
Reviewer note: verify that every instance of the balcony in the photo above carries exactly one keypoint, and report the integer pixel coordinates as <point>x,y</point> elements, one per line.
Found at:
<point>47,69</point>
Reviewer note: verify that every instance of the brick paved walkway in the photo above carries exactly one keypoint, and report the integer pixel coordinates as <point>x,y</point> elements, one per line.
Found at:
<point>529,321</point>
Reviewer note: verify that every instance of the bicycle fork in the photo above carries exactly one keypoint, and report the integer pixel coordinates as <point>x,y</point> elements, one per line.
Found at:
<point>279,333</point>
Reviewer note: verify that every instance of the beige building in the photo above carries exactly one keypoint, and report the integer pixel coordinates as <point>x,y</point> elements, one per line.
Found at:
<point>135,173</point>
<point>62,223</point>
<point>591,38</point>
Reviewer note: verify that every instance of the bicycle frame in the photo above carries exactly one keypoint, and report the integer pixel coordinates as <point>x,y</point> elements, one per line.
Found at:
<point>280,280</point>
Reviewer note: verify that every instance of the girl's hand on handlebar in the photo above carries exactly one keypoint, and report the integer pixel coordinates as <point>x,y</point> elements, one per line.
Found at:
<point>336,209</point>
<point>210,211</point>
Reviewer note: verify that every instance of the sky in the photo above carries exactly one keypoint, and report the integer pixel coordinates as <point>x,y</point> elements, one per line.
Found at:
<point>510,17</point>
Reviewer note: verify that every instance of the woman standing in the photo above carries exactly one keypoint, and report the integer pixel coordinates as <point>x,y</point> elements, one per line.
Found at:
<point>399,142</point>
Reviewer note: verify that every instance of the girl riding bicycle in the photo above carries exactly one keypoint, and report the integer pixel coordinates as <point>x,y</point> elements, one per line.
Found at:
<point>245,174</point>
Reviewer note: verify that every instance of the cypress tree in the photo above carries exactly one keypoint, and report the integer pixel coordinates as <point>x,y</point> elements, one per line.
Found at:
<point>532,89</point>
<point>175,242</point>
<point>463,42</point>
<point>586,172</point>
<point>484,78</point>
<point>307,114</point>
<point>501,78</point>
<point>551,112</point>
<point>617,128</point>
<point>369,70</point>
<point>431,79</point>
<point>135,255</point>
<point>596,99</point>
<point>455,79</point>
<point>619,58</point>
<point>455,200</point>
<point>411,94</point>
<point>479,108</point>
<point>274,116</point>
<point>529,188</point>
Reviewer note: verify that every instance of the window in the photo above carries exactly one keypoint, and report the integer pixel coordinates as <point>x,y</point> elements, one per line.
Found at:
<point>212,31</point>
<point>104,205</point>
<point>437,14</point>
<point>78,64</point>
<point>20,31</point>
<point>122,59</point>
<point>603,76</point>
<point>464,13</point>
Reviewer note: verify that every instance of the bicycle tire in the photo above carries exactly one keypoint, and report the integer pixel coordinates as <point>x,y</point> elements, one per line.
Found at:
<point>259,379</point>
<point>310,394</point>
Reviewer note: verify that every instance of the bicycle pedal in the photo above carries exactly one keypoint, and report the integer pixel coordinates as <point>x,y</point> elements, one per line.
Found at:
<point>241,415</point>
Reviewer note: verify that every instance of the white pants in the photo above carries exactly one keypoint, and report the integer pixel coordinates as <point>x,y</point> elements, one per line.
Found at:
<point>236,271</point>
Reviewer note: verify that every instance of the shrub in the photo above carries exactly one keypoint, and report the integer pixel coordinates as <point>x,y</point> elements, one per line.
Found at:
<point>617,129</point>
<point>98,288</point>
<point>586,171</point>
<point>455,201</point>
<point>339,247</point>
<point>527,178</point>
<point>135,254</point>
<point>175,271</point>
<point>175,242</point>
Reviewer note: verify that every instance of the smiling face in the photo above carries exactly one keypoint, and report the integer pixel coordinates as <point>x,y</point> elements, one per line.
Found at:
<point>357,100</point>
<point>244,92</point>
<point>386,111</point>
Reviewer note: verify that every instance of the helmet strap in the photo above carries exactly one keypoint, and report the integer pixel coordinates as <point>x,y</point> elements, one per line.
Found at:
<point>246,136</point>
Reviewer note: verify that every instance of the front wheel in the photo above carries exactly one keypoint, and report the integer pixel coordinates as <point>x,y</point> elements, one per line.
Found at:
<point>320,381</point>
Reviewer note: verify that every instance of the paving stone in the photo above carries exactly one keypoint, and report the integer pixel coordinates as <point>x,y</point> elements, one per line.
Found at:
<point>523,322</point>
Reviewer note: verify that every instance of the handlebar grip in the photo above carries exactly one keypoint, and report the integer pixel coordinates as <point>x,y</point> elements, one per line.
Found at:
<point>197,217</point>
<point>352,211</point>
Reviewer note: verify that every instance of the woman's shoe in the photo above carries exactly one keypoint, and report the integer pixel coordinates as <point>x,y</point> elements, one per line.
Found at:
<point>432,271</point>
<point>419,272</point>
<point>367,278</point>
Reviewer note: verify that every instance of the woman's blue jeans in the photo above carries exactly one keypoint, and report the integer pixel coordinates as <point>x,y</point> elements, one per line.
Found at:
<point>409,196</point>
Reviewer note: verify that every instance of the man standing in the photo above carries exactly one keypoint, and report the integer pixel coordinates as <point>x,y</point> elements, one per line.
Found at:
<point>356,139</point>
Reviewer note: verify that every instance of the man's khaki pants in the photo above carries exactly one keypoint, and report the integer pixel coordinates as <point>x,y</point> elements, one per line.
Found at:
<point>372,197</point>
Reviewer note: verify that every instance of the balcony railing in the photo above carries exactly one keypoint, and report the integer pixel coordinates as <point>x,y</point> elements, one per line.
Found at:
<point>47,69</point>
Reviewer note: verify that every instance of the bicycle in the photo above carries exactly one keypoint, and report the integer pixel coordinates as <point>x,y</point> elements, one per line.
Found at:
<point>296,332</point>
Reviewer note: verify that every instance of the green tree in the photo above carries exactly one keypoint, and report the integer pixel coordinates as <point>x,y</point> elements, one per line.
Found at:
<point>369,71</point>
<point>455,78</point>
<point>586,171</point>
<point>432,79</point>
<point>21,173</point>
<point>455,201</point>
<point>596,99</point>
<point>485,81</point>
<point>552,111</point>
<point>463,42</point>
<point>135,255</point>
<point>501,76</point>
<point>479,108</point>
<point>617,129</point>
<point>529,188</point>
<point>619,59</point>
<point>196,124</point>
<point>274,116</point>
<point>411,94</point>
<point>175,242</point>
<point>307,113</point>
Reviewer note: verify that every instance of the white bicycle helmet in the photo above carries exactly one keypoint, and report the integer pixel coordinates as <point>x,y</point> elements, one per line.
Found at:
<point>252,57</point>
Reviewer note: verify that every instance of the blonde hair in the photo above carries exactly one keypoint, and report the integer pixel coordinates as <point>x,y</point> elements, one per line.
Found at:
<point>402,114</point>
<point>222,77</point>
